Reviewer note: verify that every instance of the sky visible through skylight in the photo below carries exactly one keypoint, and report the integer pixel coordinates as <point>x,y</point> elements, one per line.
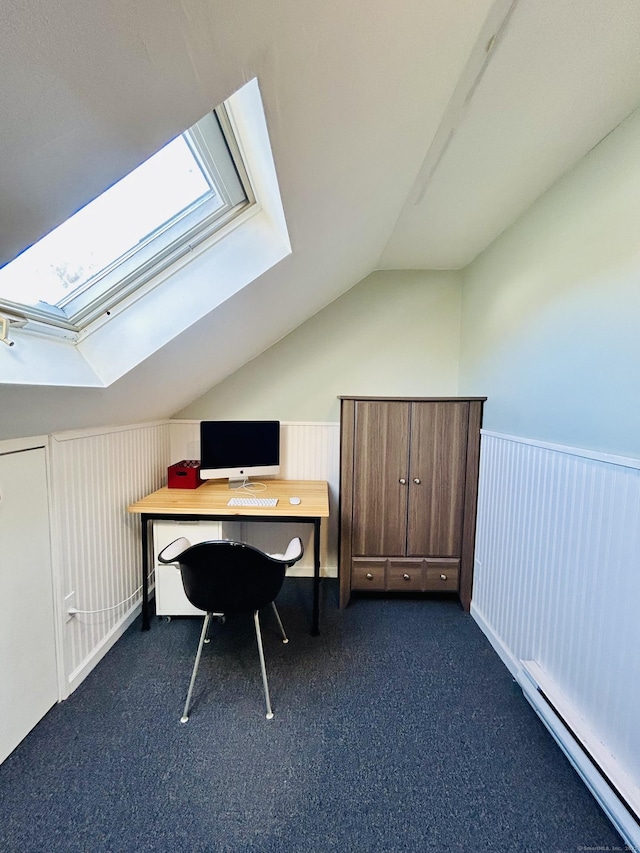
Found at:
<point>121,218</point>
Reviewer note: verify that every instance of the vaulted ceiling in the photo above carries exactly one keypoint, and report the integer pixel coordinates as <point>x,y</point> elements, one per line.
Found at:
<point>405,133</point>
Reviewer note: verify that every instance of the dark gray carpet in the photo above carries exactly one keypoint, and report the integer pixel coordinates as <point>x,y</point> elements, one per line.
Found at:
<point>398,729</point>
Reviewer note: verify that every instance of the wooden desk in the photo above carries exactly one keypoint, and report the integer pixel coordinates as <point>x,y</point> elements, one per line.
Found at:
<point>209,502</point>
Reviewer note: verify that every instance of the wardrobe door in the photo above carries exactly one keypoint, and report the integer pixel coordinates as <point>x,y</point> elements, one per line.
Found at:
<point>381,436</point>
<point>437,462</point>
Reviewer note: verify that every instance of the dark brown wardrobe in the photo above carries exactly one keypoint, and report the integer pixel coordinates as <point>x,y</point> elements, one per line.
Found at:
<point>408,494</point>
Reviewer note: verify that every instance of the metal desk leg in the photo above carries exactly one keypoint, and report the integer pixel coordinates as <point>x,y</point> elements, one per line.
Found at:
<point>315,628</point>
<point>145,573</point>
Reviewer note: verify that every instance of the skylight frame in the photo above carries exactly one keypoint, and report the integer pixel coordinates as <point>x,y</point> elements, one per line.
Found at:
<point>213,144</point>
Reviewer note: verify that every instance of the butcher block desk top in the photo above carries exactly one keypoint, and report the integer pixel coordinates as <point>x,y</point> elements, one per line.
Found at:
<point>211,499</point>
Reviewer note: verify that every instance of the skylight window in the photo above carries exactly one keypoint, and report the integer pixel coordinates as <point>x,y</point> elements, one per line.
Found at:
<point>134,230</point>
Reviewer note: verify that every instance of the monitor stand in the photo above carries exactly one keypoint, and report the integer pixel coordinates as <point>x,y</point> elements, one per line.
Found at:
<point>237,482</point>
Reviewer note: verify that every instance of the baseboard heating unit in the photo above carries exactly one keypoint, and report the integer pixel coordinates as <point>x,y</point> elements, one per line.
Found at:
<point>616,792</point>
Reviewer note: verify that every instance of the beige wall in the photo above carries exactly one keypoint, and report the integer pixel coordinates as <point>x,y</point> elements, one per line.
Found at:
<point>393,333</point>
<point>551,311</point>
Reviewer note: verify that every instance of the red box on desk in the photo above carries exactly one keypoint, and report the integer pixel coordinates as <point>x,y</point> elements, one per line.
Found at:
<point>185,475</point>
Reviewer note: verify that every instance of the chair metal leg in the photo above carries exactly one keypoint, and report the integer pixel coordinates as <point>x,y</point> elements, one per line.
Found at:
<point>203,635</point>
<point>221,618</point>
<point>285,639</point>
<point>256,620</point>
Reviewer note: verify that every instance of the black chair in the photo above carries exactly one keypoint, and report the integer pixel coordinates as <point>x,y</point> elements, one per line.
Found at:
<point>228,577</point>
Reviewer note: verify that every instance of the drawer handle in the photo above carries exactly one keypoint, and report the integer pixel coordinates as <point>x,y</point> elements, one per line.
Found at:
<point>406,577</point>
<point>369,576</point>
<point>443,577</point>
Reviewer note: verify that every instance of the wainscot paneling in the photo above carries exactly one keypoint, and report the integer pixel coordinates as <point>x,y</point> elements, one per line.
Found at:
<point>556,590</point>
<point>95,474</point>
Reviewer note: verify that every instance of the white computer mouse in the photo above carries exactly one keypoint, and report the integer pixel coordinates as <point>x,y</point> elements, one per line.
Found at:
<point>294,501</point>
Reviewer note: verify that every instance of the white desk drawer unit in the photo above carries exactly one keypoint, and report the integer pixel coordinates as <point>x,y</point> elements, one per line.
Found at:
<point>170,597</point>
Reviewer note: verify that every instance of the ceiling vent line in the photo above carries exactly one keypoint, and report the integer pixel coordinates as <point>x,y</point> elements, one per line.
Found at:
<point>490,37</point>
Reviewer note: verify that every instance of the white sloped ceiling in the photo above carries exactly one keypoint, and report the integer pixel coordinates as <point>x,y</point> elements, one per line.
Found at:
<point>405,134</point>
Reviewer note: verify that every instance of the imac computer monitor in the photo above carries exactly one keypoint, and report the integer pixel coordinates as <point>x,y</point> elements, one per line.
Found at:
<point>238,450</point>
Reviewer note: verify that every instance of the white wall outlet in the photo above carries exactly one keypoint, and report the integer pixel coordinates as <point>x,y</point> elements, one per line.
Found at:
<point>69,604</point>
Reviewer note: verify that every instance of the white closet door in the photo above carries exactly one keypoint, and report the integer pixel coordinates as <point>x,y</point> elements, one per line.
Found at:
<point>28,678</point>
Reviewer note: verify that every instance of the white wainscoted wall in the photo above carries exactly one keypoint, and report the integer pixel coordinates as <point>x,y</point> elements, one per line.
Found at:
<point>95,475</point>
<point>557,590</point>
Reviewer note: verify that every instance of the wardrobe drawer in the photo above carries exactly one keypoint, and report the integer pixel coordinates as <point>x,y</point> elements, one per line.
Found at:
<point>405,574</point>
<point>368,574</point>
<point>442,575</point>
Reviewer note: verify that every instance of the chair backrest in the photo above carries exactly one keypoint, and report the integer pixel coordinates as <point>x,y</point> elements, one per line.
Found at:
<point>228,577</point>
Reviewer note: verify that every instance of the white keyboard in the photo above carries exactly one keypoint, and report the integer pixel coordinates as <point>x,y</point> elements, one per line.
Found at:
<point>252,502</point>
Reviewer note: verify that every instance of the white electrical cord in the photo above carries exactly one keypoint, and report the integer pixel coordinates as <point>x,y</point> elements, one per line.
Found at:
<point>72,610</point>
<point>251,488</point>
